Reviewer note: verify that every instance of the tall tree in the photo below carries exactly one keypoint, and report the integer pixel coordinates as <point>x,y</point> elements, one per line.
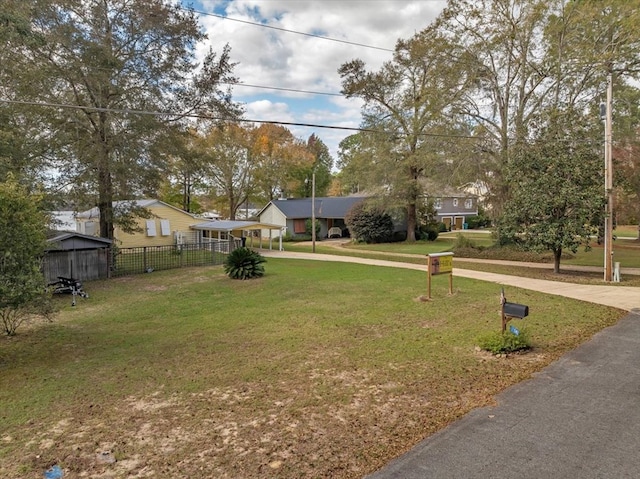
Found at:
<point>556,198</point>
<point>498,44</point>
<point>106,60</point>
<point>224,154</point>
<point>532,57</point>
<point>277,156</point>
<point>352,163</point>
<point>592,42</point>
<point>409,101</point>
<point>185,168</point>
<point>24,142</point>
<point>316,160</point>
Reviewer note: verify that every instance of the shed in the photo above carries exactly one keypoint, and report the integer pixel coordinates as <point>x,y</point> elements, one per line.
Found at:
<point>74,255</point>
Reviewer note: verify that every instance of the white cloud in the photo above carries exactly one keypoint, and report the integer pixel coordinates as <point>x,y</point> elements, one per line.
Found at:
<point>276,58</point>
<point>268,111</point>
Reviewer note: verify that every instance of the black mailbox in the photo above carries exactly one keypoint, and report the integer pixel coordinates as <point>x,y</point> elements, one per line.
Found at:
<point>516,310</point>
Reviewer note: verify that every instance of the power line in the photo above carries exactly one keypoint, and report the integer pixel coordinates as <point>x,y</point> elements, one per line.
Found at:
<point>322,37</point>
<point>294,90</point>
<point>211,117</point>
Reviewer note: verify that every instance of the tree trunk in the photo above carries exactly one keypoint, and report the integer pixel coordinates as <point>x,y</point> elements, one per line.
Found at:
<point>557,254</point>
<point>233,206</point>
<point>105,194</point>
<point>105,204</point>
<point>411,221</point>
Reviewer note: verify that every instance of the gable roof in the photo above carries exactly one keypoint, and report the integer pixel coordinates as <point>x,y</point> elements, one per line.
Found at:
<point>329,207</point>
<point>71,241</point>
<point>144,203</point>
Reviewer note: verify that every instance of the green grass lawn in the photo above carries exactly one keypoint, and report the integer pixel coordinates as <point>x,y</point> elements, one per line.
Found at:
<point>626,252</point>
<point>315,370</point>
<point>626,231</point>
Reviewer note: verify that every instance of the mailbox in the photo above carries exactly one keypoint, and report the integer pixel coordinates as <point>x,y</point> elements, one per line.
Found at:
<point>515,310</point>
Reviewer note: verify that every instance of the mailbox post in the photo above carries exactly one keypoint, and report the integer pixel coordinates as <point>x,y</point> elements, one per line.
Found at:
<point>511,310</point>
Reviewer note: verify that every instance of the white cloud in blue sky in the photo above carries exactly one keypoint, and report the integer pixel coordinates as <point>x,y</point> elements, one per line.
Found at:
<point>268,57</point>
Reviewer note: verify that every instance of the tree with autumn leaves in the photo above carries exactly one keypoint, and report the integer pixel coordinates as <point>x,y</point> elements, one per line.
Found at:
<point>232,164</point>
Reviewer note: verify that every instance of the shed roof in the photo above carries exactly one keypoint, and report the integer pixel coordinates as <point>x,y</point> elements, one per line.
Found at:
<point>325,207</point>
<point>75,241</point>
<point>231,225</point>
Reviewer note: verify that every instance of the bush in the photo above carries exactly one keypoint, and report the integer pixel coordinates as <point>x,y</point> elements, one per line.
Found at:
<point>22,244</point>
<point>463,242</point>
<point>309,231</point>
<point>506,342</point>
<point>369,224</point>
<point>442,228</point>
<point>399,236</point>
<point>474,222</point>
<point>244,263</point>
<point>432,233</point>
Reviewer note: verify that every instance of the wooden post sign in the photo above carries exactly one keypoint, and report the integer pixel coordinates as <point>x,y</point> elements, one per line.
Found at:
<point>439,263</point>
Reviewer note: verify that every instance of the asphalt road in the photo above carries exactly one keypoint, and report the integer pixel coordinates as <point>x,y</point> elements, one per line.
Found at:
<point>577,418</point>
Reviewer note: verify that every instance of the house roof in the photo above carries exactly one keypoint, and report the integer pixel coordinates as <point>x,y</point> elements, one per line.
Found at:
<point>329,207</point>
<point>144,203</point>
<point>71,241</point>
<point>230,225</point>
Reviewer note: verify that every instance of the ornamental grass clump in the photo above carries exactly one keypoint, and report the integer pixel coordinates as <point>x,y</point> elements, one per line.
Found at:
<point>244,263</point>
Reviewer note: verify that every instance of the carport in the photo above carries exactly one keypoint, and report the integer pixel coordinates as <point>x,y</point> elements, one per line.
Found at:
<point>225,230</point>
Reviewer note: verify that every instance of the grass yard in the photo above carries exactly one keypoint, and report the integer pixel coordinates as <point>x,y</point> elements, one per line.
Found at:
<point>626,231</point>
<point>318,370</point>
<point>626,251</point>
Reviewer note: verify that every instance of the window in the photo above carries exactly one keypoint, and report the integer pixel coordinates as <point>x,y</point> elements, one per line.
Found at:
<point>437,203</point>
<point>468,203</point>
<point>455,202</point>
<point>151,227</point>
<point>165,230</point>
<point>89,228</point>
<point>299,227</point>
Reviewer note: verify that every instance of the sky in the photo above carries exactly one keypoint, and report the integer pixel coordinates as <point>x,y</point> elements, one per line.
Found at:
<point>268,57</point>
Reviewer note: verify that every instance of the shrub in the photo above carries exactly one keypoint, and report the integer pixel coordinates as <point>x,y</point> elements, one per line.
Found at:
<point>432,233</point>
<point>309,231</point>
<point>22,243</point>
<point>244,263</point>
<point>507,342</point>
<point>463,242</point>
<point>369,224</point>
<point>442,228</point>
<point>399,236</point>
<point>474,222</point>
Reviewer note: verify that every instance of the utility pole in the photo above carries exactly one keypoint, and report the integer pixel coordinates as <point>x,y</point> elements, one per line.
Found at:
<point>313,212</point>
<point>608,184</point>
